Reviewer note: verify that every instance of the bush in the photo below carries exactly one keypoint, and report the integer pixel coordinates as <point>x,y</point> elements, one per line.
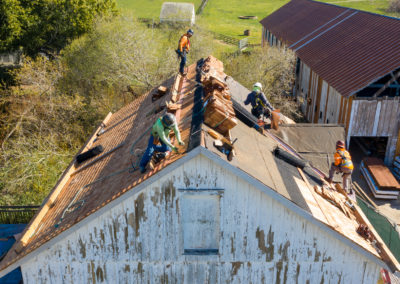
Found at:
<point>274,69</point>
<point>394,6</point>
<point>41,129</point>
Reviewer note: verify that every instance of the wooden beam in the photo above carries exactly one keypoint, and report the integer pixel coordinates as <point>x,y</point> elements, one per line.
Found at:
<point>326,103</point>
<point>381,90</point>
<point>397,151</point>
<point>349,105</point>
<point>318,100</point>
<point>363,194</point>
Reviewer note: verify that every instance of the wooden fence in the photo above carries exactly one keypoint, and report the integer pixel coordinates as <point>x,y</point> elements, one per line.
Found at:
<point>17,214</point>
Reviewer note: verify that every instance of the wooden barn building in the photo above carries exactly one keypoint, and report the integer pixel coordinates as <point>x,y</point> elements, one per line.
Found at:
<point>348,68</point>
<point>197,216</point>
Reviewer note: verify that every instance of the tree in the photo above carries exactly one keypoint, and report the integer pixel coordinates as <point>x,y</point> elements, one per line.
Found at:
<point>12,17</point>
<point>48,25</point>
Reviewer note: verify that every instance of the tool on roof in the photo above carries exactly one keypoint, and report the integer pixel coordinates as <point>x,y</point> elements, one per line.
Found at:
<point>223,144</point>
<point>161,91</point>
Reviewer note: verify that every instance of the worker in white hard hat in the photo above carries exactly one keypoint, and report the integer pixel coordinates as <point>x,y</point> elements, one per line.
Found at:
<point>259,103</point>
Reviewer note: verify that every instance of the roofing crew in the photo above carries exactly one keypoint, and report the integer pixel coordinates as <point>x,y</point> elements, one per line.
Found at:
<point>342,164</point>
<point>160,133</point>
<point>259,103</point>
<point>183,49</point>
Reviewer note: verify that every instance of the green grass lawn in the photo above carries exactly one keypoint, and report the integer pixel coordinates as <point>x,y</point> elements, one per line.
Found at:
<point>221,16</point>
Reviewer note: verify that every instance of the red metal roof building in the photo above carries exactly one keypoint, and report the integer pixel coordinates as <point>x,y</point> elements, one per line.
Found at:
<point>348,66</point>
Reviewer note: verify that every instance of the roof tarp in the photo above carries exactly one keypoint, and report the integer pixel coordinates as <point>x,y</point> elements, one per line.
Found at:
<point>315,142</point>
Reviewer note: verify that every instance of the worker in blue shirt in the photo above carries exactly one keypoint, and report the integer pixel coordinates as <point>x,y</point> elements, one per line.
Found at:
<point>259,103</point>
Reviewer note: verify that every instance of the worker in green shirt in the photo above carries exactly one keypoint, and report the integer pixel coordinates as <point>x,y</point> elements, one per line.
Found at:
<point>160,133</point>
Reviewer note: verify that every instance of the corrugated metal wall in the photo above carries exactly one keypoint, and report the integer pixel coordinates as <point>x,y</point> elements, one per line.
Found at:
<point>140,241</point>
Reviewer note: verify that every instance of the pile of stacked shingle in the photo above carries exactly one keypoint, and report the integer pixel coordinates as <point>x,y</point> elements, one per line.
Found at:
<point>219,113</point>
<point>380,180</point>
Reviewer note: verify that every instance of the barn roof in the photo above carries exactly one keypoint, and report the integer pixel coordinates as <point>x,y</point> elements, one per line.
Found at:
<point>348,48</point>
<point>89,187</point>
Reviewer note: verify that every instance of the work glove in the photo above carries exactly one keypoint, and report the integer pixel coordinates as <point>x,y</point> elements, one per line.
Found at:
<point>181,143</point>
<point>175,149</point>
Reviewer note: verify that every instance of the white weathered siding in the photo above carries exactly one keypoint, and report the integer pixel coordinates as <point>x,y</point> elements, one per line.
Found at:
<point>377,118</point>
<point>140,240</point>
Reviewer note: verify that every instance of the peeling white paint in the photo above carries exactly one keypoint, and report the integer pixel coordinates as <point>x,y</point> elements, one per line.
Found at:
<point>141,240</point>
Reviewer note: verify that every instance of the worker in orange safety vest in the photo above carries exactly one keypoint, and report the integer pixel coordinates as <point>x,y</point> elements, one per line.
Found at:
<point>183,49</point>
<point>342,164</point>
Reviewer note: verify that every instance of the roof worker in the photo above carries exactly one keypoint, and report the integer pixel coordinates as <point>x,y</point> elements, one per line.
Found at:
<point>160,133</point>
<point>342,164</point>
<point>183,49</point>
<point>259,103</point>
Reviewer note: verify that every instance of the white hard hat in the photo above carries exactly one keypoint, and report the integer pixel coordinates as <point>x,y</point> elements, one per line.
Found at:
<point>258,85</point>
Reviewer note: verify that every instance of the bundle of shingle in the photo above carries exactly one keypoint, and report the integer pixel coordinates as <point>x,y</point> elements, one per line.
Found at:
<point>381,181</point>
<point>219,113</point>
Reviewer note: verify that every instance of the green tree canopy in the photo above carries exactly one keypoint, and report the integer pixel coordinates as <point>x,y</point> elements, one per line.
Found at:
<point>47,25</point>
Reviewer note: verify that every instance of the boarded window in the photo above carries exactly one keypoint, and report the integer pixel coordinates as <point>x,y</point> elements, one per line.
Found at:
<point>200,223</point>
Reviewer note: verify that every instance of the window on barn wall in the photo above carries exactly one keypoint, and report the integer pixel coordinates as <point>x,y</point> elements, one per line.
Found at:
<point>200,215</point>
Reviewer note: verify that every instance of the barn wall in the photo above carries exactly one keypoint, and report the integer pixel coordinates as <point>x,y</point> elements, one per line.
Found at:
<point>140,240</point>
<point>377,118</point>
<point>323,103</point>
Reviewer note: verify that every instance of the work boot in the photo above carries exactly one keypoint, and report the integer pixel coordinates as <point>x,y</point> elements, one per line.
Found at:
<point>142,169</point>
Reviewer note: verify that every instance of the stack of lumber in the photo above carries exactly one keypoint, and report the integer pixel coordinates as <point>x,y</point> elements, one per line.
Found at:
<point>396,167</point>
<point>219,113</point>
<point>380,179</point>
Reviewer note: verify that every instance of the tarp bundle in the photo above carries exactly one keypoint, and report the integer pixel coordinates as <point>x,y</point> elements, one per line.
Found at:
<point>219,113</point>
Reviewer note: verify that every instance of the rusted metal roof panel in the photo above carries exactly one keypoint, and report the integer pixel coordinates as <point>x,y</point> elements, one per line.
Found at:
<point>347,48</point>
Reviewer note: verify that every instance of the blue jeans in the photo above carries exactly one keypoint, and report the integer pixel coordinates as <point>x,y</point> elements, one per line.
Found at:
<point>183,61</point>
<point>151,147</point>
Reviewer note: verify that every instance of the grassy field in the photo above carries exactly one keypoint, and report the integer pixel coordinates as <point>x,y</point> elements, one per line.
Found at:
<point>221,16</point>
